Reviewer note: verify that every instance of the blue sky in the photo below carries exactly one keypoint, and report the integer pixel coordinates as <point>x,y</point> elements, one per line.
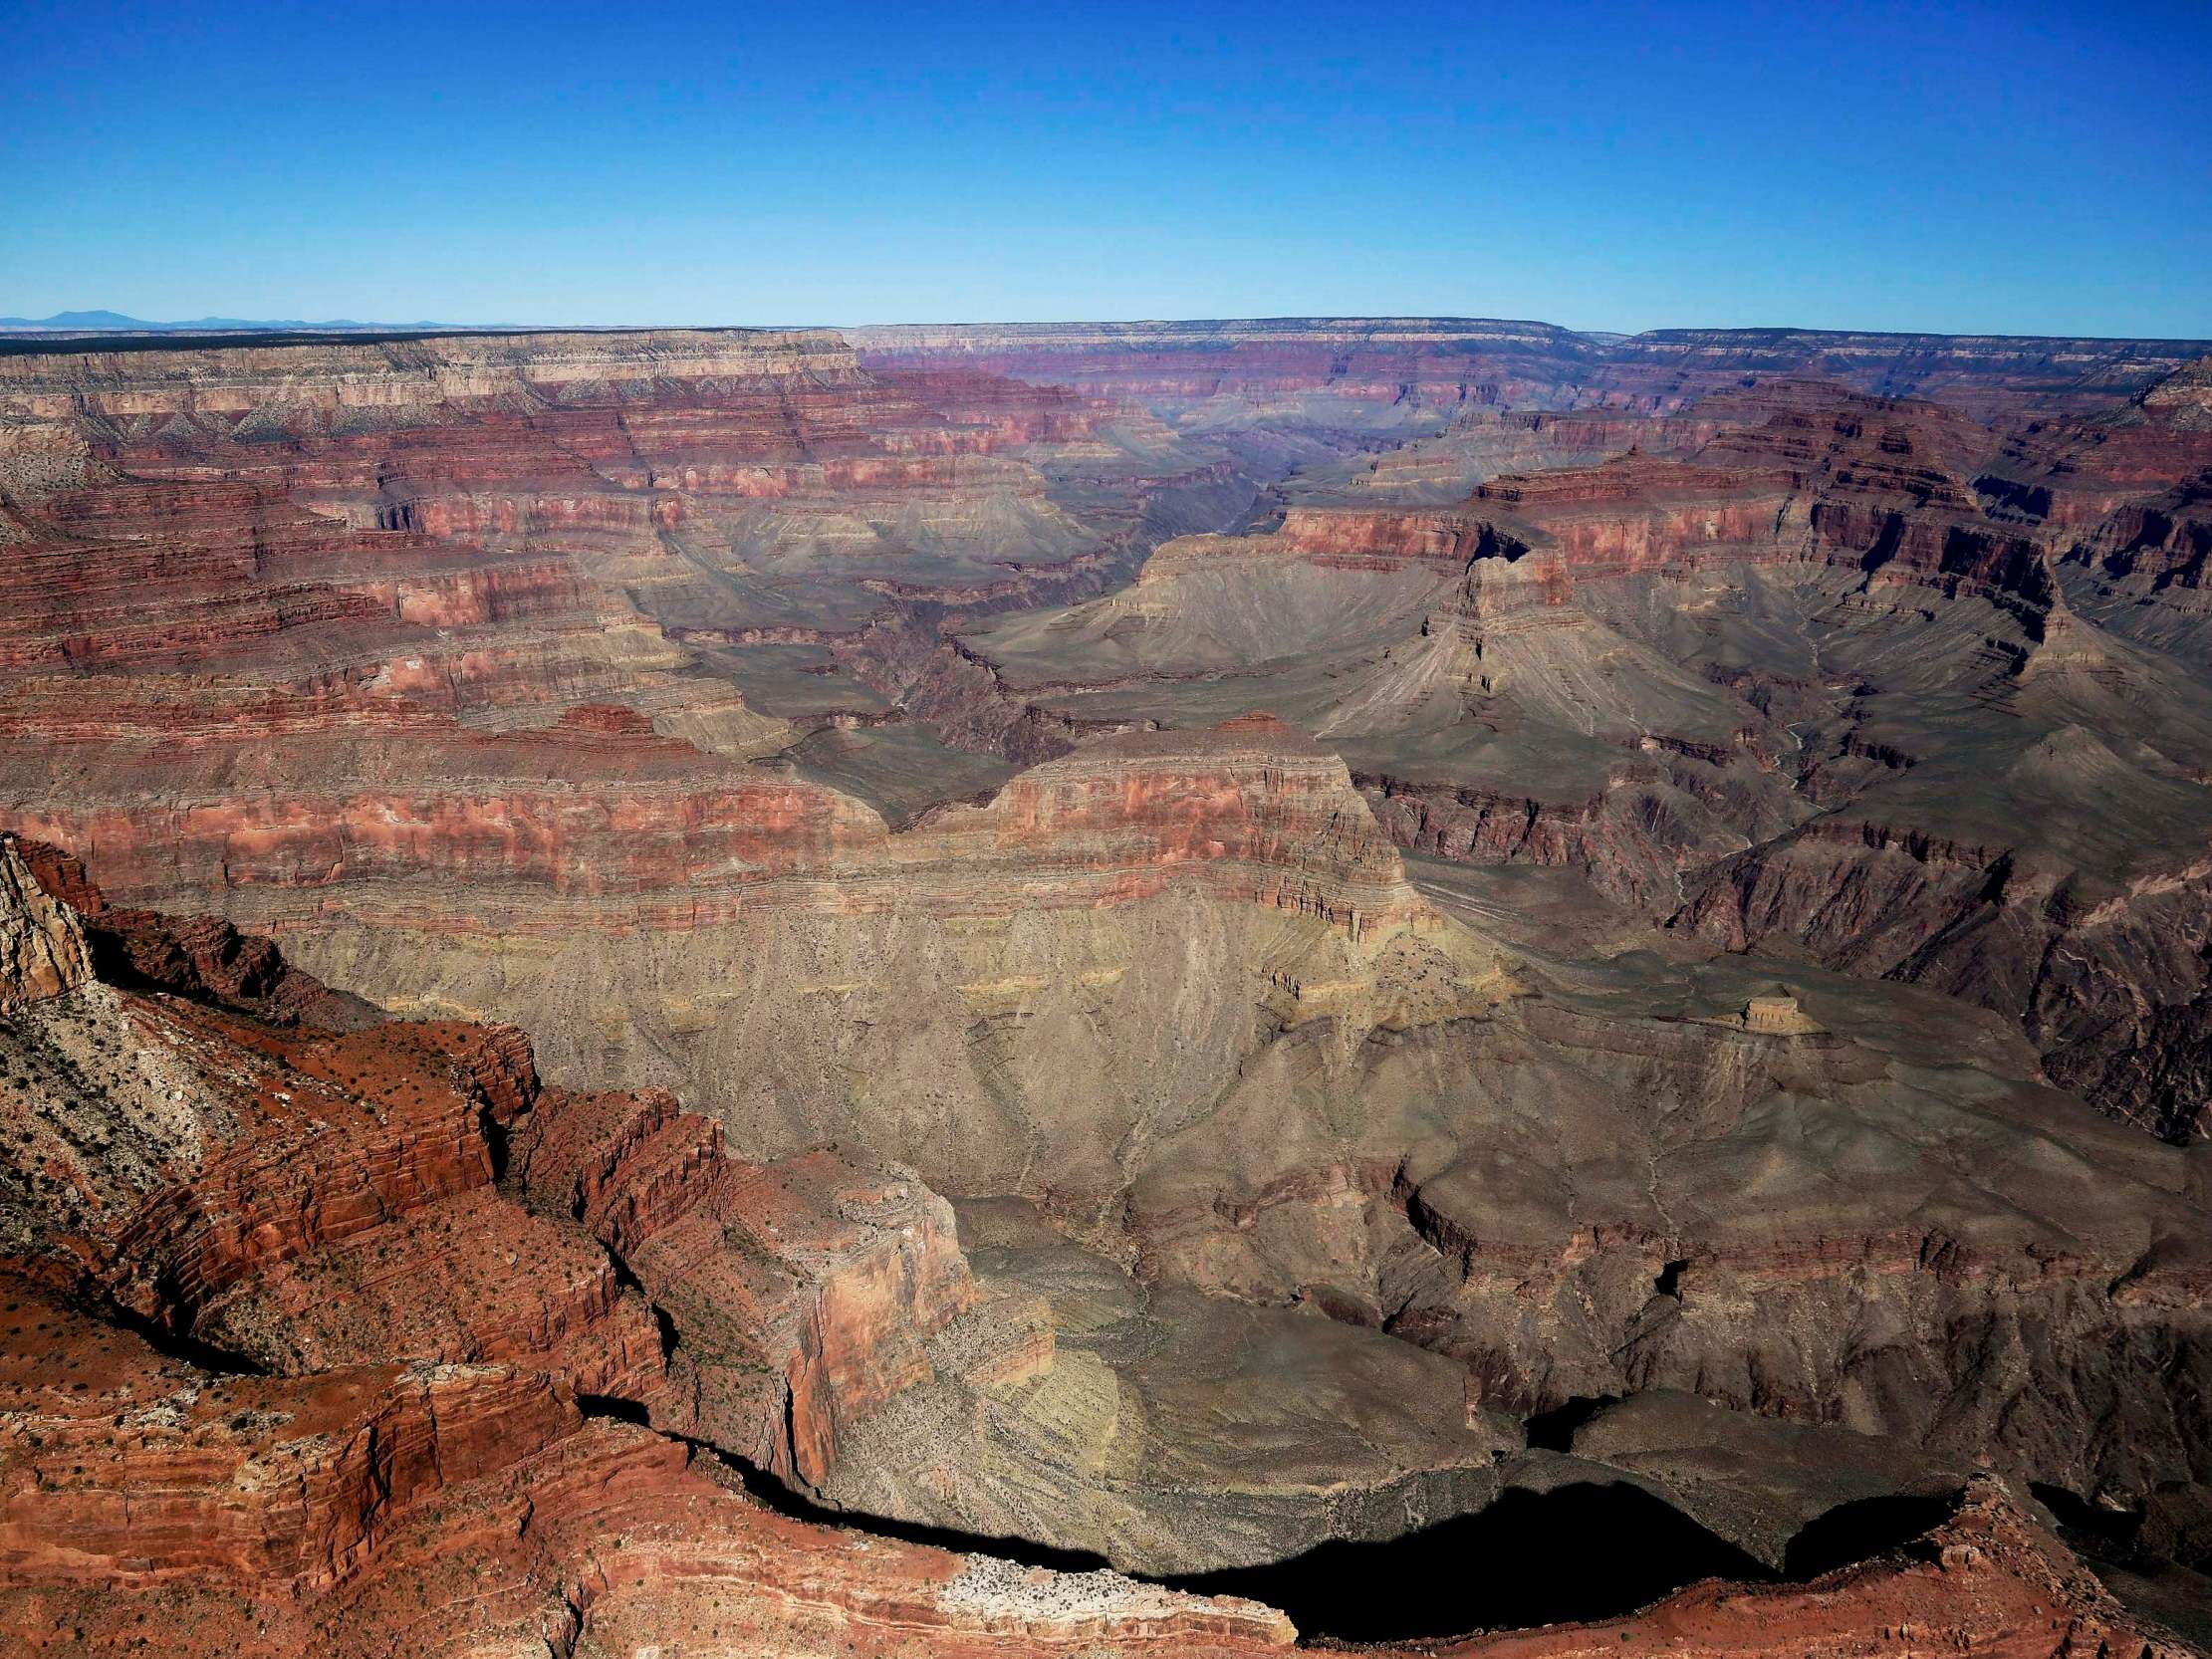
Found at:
<point>2018,168</point>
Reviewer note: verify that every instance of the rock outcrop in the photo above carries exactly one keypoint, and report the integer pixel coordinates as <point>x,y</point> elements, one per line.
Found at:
<point>797,1295</point>
<point>42,947</point>
<point>456,1508</point>
<point>299,1199</point>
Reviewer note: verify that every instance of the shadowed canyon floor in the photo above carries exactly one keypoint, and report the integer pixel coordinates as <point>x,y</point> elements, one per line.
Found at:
<point>1269,957</point>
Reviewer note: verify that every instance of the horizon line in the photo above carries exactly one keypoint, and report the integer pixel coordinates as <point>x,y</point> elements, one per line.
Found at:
<point>22,331</point>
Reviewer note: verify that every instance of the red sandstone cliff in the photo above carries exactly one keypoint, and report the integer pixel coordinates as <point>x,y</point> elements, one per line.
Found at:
<point>301,1198</point>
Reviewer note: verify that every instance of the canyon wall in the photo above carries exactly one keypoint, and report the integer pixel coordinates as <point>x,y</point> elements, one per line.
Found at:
<point>773,730</point>
<point>1450,361</point>
<point>375,1397</point>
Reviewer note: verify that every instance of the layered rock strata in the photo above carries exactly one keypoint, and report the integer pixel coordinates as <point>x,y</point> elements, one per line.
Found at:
<point>1835,680</point>
<point>1344,362</point>
<point>340,1478</point>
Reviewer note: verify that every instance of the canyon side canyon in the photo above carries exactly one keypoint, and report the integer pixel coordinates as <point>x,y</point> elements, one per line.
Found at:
<point>1188,989</point>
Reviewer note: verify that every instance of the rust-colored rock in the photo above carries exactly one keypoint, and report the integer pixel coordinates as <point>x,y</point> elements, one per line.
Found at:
<point>42,944</point>
<point>798,1294</point>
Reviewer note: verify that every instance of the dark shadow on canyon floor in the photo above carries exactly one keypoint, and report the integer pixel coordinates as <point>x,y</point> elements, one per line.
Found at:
<point>1583,1552</point>
<point>771,1494</point>
<point>2143,1581</point>
<point>1554,1430</point>
<point>1576,1552</point>
<point>1506,1565</point>
<point>1865,1526</point>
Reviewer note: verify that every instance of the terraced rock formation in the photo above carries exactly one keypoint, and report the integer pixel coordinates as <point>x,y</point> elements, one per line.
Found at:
<point>1182,947</point>
<point>322,1332</point>
<point>1829,683</point>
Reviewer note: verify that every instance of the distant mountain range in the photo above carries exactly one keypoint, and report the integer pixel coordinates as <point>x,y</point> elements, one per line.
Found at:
<point>115,322</point>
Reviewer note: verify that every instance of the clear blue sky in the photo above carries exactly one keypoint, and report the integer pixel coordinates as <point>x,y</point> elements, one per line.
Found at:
<point>2024,167</point>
